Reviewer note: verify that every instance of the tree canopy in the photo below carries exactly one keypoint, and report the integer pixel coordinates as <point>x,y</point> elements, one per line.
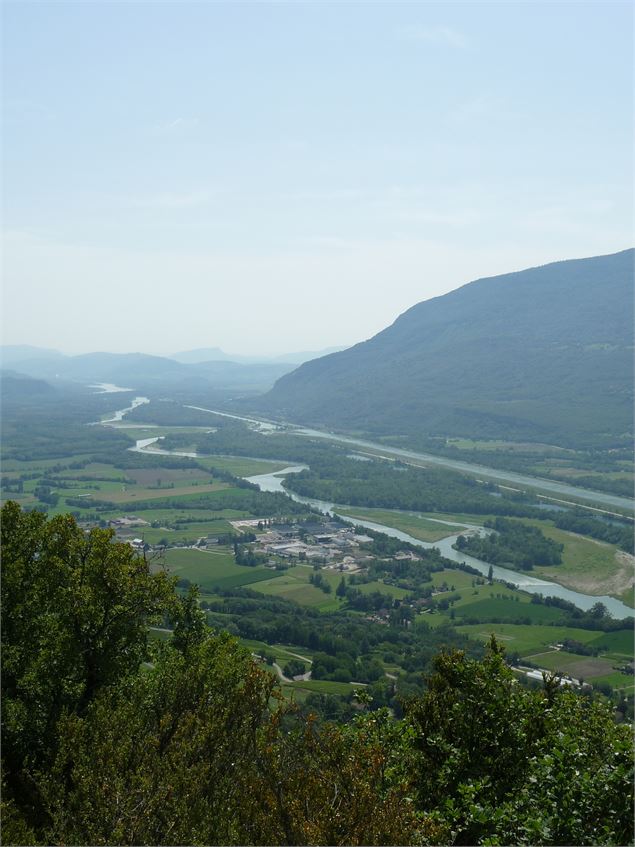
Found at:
<point>109,738</point>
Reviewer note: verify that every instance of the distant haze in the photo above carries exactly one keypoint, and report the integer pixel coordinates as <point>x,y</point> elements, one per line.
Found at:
<point>269,178</point>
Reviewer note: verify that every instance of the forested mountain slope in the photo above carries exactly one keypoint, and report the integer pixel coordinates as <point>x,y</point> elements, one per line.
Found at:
<point>542,354</point>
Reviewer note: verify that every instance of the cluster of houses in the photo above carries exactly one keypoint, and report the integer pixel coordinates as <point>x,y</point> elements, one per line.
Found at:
<point>334,546</point>
<point>127,522</point>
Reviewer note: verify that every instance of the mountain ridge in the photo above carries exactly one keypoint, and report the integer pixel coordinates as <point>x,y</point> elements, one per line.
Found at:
<point>542,353</point>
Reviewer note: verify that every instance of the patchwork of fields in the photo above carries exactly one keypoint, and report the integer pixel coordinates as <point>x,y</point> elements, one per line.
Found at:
<point>532,637</point>
<point>537,644</point>
<point>163,497</point>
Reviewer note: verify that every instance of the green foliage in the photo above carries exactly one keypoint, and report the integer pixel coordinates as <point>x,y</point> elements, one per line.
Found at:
<point>337,479</point>
<point>106,743</point>
<point>339,785</point>
<point>176,748</point>
<point>513,545</point>
<point>75,611</point>
<point>501,764</point>
<point>620,534</point>
<point>608,469</point>
<point>244,497</point>
<point>170,413</point>
<point>53,424</point>
<point>294,667</point>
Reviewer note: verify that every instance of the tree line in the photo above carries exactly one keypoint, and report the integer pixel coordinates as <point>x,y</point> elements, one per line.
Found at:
<point>512,544</point>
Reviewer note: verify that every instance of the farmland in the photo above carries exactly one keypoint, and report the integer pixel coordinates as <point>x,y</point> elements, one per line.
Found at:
<point>588,565</point>
<point>169,501</point>
<point>423,528</point>
<point>212,570</point>
<point>299,590</point>
<point>536,644</point>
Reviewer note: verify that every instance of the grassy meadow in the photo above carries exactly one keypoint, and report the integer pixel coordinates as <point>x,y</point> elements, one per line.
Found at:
<point>413,523</point>
<point>212,570</point>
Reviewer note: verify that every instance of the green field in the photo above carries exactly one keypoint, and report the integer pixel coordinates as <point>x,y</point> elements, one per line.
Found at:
<point>203,529</point>
<point>325,686</point>
<point>499,445</point>
<point>96,469</point>
<point>176,514</point>
<point>411,522</point>
<point>19,466</point>
<point>213,570</point>
<point>577,666</point>
<point>158,477</point>
<point>501,607</point>
<point>214,501</point>
<point>593,669</point>
<point>294,585</point>
<point>383,588</point>
<point>528,640</point>
<point>588,565</point>
<point>615,643</point>
<point>573,473</point>
<point>299,590</point>
<point>132,495</point>
<point>481,601</point>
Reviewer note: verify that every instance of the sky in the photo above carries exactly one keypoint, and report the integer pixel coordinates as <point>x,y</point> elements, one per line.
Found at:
<point>273,177</point>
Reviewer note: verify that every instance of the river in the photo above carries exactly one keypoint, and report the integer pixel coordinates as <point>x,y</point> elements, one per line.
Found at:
<point>524,480</point>
<point>118,416</point>
<point>109,388</point>
<point>533,585</point>
<point>273,482</point>
<point>145,445</point>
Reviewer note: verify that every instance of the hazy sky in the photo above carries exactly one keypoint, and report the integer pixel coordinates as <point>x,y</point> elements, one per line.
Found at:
<point>269,177</point>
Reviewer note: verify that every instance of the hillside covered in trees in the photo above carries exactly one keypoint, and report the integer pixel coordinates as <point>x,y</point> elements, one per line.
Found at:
<point>111,738</point>
<point>544,354</point>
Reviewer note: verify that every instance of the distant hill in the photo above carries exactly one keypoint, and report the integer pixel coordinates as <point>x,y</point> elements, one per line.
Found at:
<point>12,353</point>
<point>152,373</point>
<point>17,386</point>
<point>238,374</point>
<point>201,354</point>
<point>542,354</point>
<point>215,354</point>
<point>102,367</point>
<point>306,356</point>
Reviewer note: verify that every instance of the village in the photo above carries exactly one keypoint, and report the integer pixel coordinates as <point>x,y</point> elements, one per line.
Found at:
<point>330,544</point>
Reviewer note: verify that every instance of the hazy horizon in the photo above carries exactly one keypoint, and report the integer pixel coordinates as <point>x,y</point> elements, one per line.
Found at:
<point>246,353</point>
<point>170,353</point>
<point>272,178</point>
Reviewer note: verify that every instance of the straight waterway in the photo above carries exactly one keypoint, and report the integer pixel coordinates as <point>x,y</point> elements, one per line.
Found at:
<point>535,482</point>
<point>524,480</point>
<point>273,482</point>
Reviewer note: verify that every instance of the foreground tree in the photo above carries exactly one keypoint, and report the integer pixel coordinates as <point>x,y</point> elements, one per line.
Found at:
<point>75,614</point>
<point>106,742</point>
<point>502,764</point>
